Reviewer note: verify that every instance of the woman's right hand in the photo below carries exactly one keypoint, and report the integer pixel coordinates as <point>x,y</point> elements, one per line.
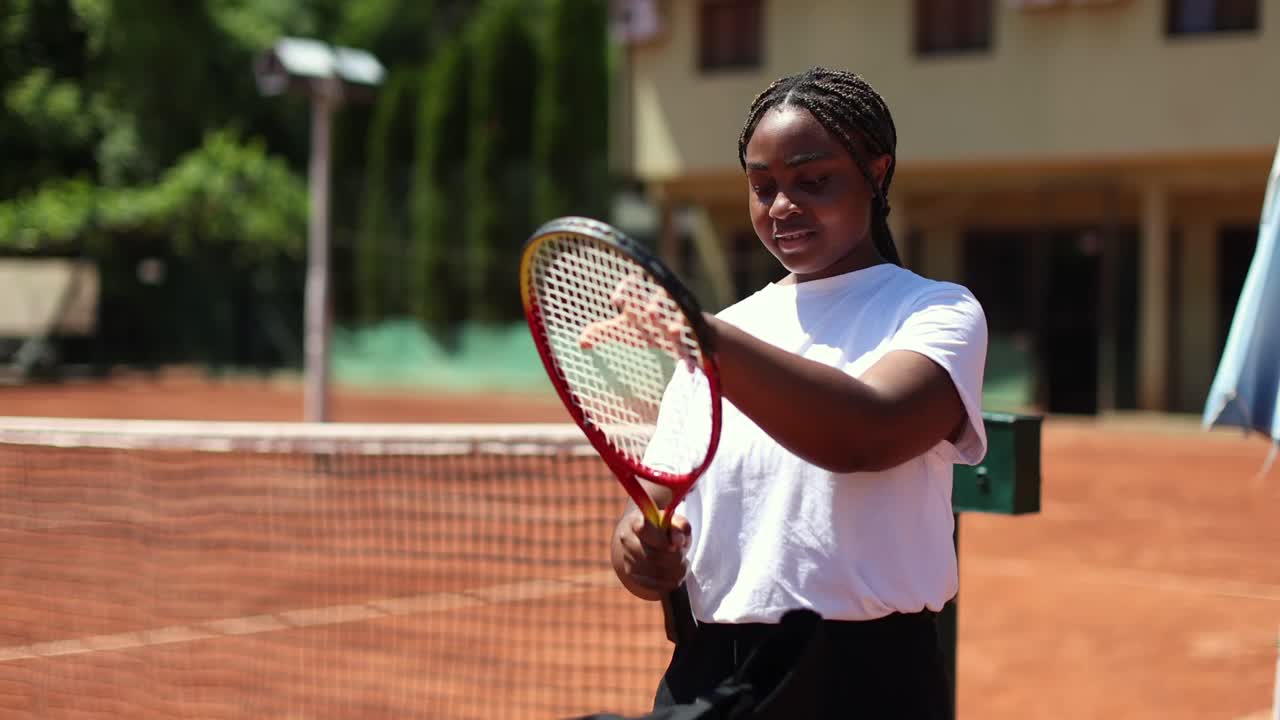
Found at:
<point>650,562</point>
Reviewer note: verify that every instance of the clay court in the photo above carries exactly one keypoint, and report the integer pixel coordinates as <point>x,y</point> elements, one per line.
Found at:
<point>1148,587</point>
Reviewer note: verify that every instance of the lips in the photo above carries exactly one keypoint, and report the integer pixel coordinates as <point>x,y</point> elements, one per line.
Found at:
<point>792,238</point>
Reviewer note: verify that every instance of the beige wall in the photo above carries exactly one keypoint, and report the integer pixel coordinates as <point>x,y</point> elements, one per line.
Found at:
<point>1075,87</point>
<point>1075,117</point>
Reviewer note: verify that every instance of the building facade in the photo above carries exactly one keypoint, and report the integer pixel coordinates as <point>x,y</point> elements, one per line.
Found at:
<point>1092,169</point>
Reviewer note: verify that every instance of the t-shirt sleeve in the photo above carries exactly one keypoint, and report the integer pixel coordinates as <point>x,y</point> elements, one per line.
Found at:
<point>947,325</point>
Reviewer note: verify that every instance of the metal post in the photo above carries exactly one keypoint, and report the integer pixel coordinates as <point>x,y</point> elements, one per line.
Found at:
<point>949,625</point>
<point>316,344</point>
<point>1153,300</point>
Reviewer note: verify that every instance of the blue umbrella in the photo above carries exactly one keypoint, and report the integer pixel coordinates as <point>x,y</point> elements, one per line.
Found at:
<point>1246,390</point>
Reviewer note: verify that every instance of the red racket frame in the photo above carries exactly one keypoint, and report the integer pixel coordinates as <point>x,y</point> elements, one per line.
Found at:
<point>625,469</point>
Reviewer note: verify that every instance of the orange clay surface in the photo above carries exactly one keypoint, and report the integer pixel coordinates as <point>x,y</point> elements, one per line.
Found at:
<point>1148,586</point>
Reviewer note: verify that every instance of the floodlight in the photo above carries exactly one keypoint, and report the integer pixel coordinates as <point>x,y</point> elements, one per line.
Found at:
<point>328,76</point>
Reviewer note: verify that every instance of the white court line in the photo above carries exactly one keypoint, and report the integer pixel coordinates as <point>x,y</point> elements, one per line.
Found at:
<point>314,617</point>
<point>1275,702</point>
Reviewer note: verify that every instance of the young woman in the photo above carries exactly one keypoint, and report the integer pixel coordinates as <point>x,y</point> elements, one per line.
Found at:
<point>853,387</point>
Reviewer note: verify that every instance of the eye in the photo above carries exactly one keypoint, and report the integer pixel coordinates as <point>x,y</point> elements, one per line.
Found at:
<point>815,184</point>
<point>762,190</point>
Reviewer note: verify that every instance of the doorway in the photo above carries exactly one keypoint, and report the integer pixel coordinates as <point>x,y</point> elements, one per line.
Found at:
<point>1061,308</point>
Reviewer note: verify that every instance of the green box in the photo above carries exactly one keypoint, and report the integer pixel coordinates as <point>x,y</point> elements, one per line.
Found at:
<point>1007,482</point>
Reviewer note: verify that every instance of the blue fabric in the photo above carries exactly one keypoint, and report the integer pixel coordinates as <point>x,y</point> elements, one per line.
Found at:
<point>1246,389</point>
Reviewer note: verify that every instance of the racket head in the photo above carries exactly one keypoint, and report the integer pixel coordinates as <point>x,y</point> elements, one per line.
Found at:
<point>647,413</point>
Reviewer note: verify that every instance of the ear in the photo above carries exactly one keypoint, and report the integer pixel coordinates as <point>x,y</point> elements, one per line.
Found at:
<point>879,168</point>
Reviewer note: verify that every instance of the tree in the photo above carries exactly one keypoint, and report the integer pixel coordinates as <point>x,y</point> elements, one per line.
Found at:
<point>381,227</point>
<point>132,131</point>
<point>227,194</point>
<point>499,163</point>
<point>572,116</point>
<point>44,127</point>
<point>438,190</point>
<point>406,36</point>
<point>117,91</point>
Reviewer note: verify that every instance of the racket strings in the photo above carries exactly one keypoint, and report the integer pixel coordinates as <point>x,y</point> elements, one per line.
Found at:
<point>622,383</point>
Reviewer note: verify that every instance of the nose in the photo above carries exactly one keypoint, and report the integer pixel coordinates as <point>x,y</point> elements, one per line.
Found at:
<point>782,207</point>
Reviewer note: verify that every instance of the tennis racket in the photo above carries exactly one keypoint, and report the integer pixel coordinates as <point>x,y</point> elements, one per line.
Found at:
<point>627,349</point>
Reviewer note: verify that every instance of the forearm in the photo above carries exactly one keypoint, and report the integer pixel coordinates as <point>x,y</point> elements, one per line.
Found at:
<point>817,412</point>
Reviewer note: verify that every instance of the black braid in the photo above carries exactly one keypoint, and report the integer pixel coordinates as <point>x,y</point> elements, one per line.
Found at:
<point>852,111</point>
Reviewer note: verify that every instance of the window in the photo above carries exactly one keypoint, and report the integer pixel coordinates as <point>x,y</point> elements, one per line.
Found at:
<point>952,26</point>
<point>729,34</point>
<point>1194,17</point>
<point>1236,245</point>
<point>1034,5</point>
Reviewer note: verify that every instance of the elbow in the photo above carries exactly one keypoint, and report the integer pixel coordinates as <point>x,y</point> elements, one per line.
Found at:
<point>867,454</point>
<point>852,459</point>
<point>847,466</point>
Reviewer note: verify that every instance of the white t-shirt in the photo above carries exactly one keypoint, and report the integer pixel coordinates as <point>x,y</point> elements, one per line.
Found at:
<point>771,532</point>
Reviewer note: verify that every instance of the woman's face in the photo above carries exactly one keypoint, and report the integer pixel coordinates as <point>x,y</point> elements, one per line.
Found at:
<point>810,204</point>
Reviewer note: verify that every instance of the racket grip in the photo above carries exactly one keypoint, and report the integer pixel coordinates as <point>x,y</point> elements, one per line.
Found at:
<point>677,615</point>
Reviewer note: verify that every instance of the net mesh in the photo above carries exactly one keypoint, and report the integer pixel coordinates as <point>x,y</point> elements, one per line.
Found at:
<point>247,571</point>
<point>622,383</point>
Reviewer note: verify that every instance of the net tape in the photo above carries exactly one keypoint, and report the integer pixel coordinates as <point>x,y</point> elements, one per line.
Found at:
<point>323,438</point>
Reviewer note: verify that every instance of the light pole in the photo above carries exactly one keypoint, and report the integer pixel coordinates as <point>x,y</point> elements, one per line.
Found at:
<point>329,76</point>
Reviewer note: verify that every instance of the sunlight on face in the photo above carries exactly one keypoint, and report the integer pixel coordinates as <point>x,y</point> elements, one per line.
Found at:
<point>810,204</point>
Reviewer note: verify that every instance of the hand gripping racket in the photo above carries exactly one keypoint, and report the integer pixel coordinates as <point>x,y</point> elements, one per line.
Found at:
<point>628,351</point>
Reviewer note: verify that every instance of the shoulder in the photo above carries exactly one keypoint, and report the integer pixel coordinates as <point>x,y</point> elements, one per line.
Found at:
<point>747,307</point>
<point>911,295</point>
<point>911,287</point>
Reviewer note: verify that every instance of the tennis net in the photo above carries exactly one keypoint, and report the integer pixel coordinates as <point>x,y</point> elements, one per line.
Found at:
<point>246,570</point>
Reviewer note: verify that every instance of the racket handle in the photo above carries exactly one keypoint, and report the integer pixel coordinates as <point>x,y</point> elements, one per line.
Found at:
<point>677,615</point>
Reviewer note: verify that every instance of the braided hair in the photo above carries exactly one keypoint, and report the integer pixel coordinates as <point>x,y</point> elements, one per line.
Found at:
<point>855,114</point>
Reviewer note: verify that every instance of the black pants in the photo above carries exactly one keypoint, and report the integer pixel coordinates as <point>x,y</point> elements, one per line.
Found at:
<point>891,667</point>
